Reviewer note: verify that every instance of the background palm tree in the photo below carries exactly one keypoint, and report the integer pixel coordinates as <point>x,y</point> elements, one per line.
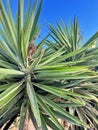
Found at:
<point>70,39</point>
<point>41,83</point>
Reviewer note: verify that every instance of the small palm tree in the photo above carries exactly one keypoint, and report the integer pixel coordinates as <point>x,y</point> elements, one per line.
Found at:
<point>70,40</point>
<point>34,80</point>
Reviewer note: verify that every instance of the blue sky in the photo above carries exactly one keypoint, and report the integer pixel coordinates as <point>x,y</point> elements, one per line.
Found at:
<point>86,12</point>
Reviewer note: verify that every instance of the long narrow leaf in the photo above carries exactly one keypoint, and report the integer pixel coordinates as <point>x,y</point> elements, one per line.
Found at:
<point>33,102</point>
<point>58,92</point>
<point>23,115</point>
<point>8,26</point>
<point>50,113</point>
<point>28,28</point>
<point>36,20</point>
<point>10,72</point>
<point>20,23</point>
<point>59,109</point>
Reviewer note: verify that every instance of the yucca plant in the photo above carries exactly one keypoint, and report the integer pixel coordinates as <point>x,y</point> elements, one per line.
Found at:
<point>70,40</point>
<point>33,79</point>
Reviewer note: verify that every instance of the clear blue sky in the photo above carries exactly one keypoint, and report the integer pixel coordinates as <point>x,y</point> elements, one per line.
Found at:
<point>86,12</point>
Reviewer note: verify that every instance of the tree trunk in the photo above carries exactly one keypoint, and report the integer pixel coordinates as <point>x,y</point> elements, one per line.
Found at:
<point>26,124</point>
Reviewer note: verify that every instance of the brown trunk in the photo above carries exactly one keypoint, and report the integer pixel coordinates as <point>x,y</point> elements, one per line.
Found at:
<point>26,124</point>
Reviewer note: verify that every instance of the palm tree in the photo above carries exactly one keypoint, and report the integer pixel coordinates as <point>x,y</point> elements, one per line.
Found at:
<point>71,41</point>
<point>35,82</point>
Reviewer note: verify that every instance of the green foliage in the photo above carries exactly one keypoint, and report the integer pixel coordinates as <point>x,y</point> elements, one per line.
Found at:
<point>58,81</point>
<point>78,55</point>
